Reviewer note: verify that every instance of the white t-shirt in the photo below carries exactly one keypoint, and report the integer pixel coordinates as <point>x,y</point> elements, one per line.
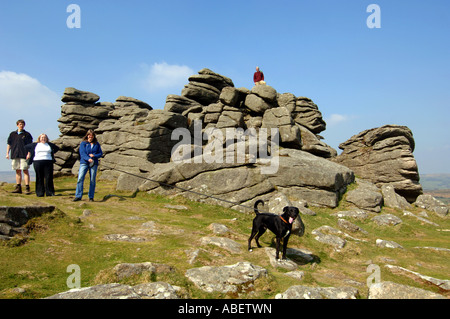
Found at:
<point>42,152</point>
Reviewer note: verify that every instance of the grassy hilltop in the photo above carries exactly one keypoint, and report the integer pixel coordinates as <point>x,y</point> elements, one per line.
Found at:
<point>75,234</point>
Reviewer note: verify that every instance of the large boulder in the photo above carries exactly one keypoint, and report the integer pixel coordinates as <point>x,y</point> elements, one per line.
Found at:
<point>296,174</point>
<point>305,292</point>
<point>390,290</point>
<point>312,143</point>
<point>281,119</point>
<point>13,219</point>
<point>152,290</point>
<point>382,156</point>
<point>430,203</point>
<point>133,146</point>
<point>256,104</point>
<point>179,104</point>
<point>80,113</point>
<point>307,114</point>
<point>75,95</point>
<point>205,87</point>
<point>231,279</point>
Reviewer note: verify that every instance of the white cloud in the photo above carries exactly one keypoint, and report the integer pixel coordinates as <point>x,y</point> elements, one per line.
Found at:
<point>335,119</point>
<point>24,97</point>
<point>162,76</point>
<point>19,91</point>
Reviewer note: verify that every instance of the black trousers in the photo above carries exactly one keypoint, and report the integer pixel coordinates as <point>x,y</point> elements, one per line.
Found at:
<point>44,178</point>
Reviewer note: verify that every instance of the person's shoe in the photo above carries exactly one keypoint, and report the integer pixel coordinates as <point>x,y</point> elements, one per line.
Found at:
<point>27,189</point>
<point>18,189</point>
<point>76,199</point>
<point>91,199</point>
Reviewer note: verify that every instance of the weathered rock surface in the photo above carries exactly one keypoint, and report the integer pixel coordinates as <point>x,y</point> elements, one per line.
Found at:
<point>440,283</point>
<point>329,236</point>
<point>74,95</point>
<point>366,196</point>
<point>387,220</point>
<point>225,243</point>
<point>392,199</point>
<point>390,290</point>
<point>154,290</point>
<point>430,203</point>
<point>300,176</point>
<point>12,219</point>
<point>384,156</point>
<point>232,279</point>
<point>283,263</point>
<point>420,218</point>
<point>133,146</point>
<point>356,214</point>
<point>388,244</point>
<point>305,292</point>
<point>348,226</point>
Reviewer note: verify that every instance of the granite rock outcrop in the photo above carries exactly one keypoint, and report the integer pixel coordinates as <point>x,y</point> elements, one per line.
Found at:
<point>164,145</point>
<point>384,156</point>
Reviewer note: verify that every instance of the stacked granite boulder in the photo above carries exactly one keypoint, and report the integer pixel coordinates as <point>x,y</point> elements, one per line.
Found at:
<point>384,156</point>
<point>136,137</point>
<point>213,99</point>
<point>81,112</point>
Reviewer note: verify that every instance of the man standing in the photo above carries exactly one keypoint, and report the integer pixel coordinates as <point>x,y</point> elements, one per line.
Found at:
<point>16,145</point>
<point>258,77</point>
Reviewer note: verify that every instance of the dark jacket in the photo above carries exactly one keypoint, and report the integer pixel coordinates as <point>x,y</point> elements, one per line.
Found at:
<point>31,148</point>
<point>86,149</point>
<point>17,144</point>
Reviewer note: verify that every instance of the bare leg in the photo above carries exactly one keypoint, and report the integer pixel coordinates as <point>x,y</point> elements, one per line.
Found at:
<point>26,177</point>
<point>18,176</point>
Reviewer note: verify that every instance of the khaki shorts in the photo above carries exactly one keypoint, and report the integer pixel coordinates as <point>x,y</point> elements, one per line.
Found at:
<point>19,163</point>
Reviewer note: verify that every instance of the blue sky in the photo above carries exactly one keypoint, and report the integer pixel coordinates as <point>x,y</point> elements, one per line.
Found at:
<point>359,77</point>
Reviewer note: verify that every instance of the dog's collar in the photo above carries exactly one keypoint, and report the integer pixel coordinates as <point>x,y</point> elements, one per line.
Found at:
<point>284,220</point>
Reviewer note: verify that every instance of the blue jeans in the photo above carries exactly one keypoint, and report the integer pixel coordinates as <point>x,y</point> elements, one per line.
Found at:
<point>84,168</point>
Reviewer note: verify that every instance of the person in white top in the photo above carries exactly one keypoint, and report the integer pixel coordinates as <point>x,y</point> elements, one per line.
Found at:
<point>42,155</point>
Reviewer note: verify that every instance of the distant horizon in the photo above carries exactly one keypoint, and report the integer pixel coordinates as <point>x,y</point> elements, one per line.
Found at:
<point>9,176</point>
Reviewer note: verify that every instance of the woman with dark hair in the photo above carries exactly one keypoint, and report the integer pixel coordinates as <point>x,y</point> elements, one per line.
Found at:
<point>90,152</point>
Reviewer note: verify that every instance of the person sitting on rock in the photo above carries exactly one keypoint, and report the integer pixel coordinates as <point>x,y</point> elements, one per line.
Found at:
<point>258,77</point>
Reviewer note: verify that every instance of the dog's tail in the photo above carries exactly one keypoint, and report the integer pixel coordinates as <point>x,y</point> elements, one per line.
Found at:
<point>255,207</point>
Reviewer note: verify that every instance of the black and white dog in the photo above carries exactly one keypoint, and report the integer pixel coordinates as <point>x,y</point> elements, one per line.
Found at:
<point>280,225</point>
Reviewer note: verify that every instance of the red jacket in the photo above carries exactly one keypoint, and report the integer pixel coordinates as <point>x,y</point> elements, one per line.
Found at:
<point>258,76</point>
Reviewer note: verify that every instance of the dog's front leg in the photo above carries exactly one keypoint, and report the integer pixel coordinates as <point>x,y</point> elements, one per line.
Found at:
<point>285,243</point>
<point>277,252</point>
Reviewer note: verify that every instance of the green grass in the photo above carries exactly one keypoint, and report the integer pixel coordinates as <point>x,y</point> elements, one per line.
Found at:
<point>66,237</point>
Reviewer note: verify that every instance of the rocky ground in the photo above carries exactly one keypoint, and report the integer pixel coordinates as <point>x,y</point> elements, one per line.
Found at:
<point>346,252</point>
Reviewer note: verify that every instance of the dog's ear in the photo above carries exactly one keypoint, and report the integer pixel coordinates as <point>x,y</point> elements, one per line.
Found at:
<point>285,209</point>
